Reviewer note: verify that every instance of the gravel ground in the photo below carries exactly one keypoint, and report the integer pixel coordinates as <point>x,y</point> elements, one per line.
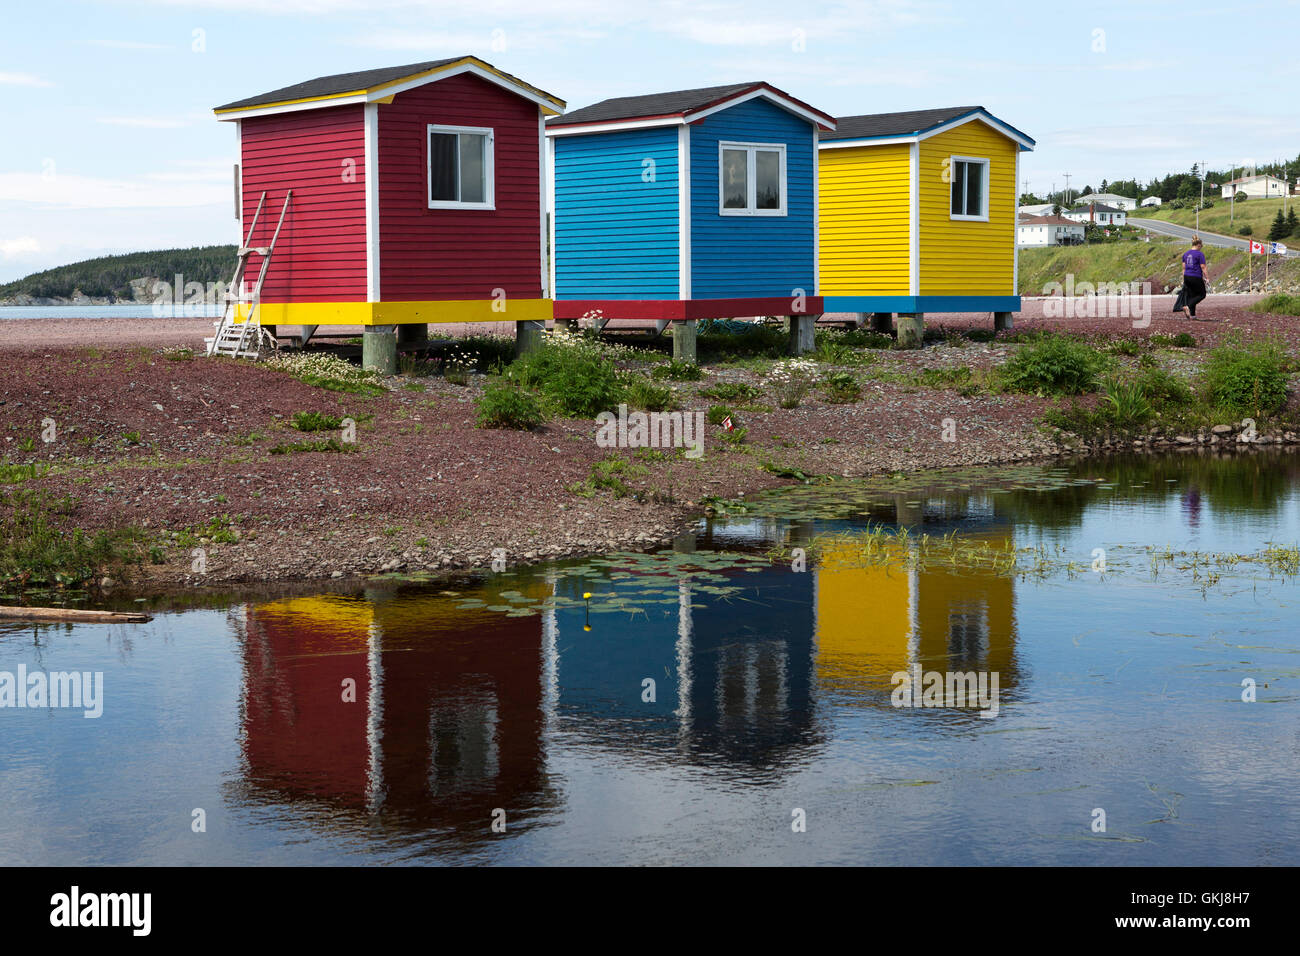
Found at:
<point>173,445</point>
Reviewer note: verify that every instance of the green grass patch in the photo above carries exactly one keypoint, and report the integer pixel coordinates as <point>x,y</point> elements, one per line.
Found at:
<point>16,472</point>
<point>316,422</point>
<point>731,392</point>
<point>307,447</point>
<point>39,550</point>
<point>651,396</point>
<point>1279,303</point>
<point>609,474</point>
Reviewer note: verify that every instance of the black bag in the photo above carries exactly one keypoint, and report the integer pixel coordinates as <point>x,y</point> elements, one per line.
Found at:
<point>1180,303</point>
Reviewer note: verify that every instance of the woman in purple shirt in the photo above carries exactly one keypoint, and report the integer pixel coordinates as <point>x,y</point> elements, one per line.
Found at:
<point>1193,277</point>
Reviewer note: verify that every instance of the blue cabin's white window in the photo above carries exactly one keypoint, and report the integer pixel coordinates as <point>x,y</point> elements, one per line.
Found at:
<point>970,188</point>
<point>751,179</point>
<point>460,168</point>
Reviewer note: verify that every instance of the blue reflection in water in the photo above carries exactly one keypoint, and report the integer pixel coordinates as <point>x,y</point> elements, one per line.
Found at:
<point>693,703</point>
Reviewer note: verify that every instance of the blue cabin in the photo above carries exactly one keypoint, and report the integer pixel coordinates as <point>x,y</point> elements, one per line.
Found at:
<point>686,205</point>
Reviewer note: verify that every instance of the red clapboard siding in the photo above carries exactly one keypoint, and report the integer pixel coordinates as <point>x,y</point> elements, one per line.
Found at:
<point>450,253</point>
<point>321,253</point>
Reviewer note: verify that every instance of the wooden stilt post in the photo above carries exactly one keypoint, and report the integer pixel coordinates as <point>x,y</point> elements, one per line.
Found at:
<point>1003,320</point>
<point>911,329</point>
<point>802,329</point>
<point>684,341</point>
<point>529,336</point>
<point>379,348</point>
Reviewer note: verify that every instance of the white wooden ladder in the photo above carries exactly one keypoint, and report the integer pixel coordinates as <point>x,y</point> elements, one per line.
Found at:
<point>246,339</point>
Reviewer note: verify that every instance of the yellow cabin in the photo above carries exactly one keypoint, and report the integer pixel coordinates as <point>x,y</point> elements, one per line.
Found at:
<point>917,213</point>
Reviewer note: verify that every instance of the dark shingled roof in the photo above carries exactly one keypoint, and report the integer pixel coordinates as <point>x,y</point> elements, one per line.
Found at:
<point>652,104</point>
<point>895,124</point>
<point>1100,207</point>
<point>340,83</point>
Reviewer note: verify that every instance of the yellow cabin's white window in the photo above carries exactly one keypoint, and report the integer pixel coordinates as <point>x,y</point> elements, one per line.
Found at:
<point>970,188</point>
<point>460,168</point>
<point>751,179</point>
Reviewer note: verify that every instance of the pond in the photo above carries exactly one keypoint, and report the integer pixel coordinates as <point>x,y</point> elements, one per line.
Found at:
<point>734,699</point>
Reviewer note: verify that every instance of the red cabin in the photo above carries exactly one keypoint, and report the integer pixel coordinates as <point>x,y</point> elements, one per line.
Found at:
<point>417,196</point>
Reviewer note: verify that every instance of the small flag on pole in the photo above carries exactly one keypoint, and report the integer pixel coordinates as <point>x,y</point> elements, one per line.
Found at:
<point>1256,248</point>
<point>726,423</point>
<point>1279,249</point>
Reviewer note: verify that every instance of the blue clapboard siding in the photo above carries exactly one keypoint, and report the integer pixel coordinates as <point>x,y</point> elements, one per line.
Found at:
<point>750,256</point>
<point>615,233</point>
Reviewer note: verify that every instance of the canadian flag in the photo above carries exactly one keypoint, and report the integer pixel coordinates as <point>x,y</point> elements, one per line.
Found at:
<point>1256,248</point>
<point>726,423</point>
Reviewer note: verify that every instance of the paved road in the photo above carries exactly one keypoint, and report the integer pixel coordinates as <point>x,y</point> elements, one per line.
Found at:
<point>1209,238</point>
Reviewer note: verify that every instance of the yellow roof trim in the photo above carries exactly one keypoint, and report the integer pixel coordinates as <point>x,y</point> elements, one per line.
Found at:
<point>368,91</point>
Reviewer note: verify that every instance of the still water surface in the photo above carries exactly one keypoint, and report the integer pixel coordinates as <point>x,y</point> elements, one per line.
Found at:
<point>772,692</point>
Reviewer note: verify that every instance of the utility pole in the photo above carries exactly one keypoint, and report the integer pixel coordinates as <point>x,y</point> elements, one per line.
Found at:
<point>1202,202</point>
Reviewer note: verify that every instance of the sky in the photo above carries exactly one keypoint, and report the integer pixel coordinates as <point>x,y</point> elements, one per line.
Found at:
<point>108,143</point>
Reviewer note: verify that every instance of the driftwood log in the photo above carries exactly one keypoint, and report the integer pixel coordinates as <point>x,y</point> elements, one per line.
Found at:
<point>72,614</point>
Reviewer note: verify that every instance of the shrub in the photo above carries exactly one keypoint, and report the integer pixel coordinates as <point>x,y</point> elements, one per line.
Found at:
<point>1245,230</point>
<point>731,392</point>
<point>457,365</point>
<point>1125,347</point>
<point>1126,402</point>
<point>1164,391</point>
<point>678,371</point>
<point>506,405</point>
<point>651,396</point>
<point>1183,340</point>
<point>790,381</point>
<point>718,413</point>
<point>1246,379</point>
<point>1053,365</point>
<point>841,388</point>
<point>573,373</point>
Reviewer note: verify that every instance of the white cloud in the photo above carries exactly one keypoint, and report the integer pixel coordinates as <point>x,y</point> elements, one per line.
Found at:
<point>22,79</point>
<point>89,192</point>
<point>141,122</point>
<point>14,248</point>
<point>486,42</point>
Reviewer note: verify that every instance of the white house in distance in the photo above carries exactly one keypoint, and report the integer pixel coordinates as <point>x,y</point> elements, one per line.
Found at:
<point>1048,231</point>
<point>1099,213</point>
<point>1038,209</point>
<point>1111,199</point>
<point>1152,201</point>
<point>1256,187</point>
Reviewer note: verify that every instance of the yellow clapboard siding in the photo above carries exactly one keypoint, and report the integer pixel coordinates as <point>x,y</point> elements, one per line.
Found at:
<point>960,257</point>
<point>864,237</point>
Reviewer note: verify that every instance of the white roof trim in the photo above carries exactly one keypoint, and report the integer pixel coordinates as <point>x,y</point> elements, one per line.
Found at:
<point>578,128</point>
<point>385,92</point>
<point>985,118</point>
<point>776,99</point>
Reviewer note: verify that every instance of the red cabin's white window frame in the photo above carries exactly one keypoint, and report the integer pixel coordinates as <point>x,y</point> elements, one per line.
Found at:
<point>489,167</point>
